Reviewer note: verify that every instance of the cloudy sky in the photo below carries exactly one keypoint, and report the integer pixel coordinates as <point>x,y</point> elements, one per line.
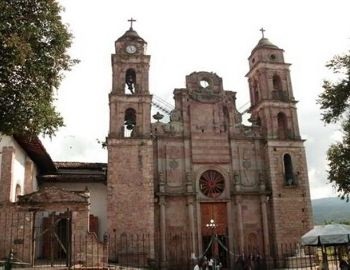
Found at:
<point>191,35</point>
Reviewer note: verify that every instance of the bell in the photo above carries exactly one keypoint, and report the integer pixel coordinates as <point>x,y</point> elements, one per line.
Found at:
<point>129,124</point>
<point>129,127</point>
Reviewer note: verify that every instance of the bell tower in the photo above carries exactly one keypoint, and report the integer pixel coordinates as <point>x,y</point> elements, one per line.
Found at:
<point>130,150</point>
<point>130,101</point>
<point>271,91</point>
<point>273,108</point>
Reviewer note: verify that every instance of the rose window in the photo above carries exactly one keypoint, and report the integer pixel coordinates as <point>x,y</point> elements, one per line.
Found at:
<point>211,183</point>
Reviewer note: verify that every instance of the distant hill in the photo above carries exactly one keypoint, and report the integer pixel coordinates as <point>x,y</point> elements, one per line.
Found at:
<point>330,209</point>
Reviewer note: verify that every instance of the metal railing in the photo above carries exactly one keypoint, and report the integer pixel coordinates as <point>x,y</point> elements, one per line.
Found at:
<point>52,247</point>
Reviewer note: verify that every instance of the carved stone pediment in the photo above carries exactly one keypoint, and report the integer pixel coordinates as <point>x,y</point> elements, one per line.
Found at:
<point>53,195</point>
<point>205,95</point>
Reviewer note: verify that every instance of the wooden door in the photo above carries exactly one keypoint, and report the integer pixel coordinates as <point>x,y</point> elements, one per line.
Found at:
<point>216,211</point>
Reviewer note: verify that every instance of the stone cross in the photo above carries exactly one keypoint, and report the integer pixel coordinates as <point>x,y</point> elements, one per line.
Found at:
<point>262,30</point>
<point>131,20</point>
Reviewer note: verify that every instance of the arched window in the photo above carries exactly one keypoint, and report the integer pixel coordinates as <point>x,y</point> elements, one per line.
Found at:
<point>282,126</point>
<point>129,122</point>
<point>277,83</point>
<point>130,80</point>
<point>288,170</point>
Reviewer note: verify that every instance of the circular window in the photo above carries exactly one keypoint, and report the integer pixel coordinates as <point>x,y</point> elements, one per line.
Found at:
<point>273,57</point>
<point>204,83</point>
<point>211,183</point>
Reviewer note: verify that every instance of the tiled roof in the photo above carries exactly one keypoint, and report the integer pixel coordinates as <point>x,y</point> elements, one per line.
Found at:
<point>80,165</point>
<point>37,152</point>
<point>76,172</point>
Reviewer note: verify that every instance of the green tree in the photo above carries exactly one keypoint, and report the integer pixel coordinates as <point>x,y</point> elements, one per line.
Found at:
<point>33,57</point>
<point>335,103</point>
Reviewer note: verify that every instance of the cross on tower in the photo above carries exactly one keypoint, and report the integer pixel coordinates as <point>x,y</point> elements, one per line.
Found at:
<point>262,30</point>
<point>131,20</point>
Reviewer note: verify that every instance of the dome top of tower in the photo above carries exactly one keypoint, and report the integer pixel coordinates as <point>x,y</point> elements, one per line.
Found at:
<point>265,43</point>
<point>131,34</point>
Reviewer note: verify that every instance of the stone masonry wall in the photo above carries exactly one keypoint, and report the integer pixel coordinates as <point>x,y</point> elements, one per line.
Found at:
<point>291,207</point>
<point>130,199</point>
<point>6,173</point>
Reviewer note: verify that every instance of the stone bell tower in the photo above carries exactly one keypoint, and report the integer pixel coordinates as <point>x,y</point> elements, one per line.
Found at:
<point>130,204</point>
<point>273,108</point>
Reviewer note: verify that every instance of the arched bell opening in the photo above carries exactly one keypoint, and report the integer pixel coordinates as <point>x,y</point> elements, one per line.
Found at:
<point>277,83</point>
<point>129,122</point>
<point>282,126</point>
<point>130,81</point>
<point>278,92</point>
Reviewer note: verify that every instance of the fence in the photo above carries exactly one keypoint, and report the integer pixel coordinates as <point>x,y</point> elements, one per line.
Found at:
<point>48,240</point>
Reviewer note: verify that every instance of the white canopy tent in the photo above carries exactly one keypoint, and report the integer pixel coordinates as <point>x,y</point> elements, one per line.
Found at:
<point>327,235</point>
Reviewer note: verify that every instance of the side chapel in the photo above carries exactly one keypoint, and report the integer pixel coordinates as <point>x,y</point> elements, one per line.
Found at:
<point>201,173</point>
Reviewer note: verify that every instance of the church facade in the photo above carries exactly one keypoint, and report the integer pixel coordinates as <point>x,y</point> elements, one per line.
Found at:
<point>202,174</point>
<point>205,167</point>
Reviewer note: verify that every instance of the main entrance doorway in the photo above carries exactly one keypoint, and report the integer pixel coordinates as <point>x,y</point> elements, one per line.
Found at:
<point>214,232</point>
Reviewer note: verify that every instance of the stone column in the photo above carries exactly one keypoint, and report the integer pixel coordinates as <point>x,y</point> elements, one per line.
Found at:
<point>162,232</point>
<point>191,215</point>
<point>191,221</point>
<point>265,223</point>
<point>28,176</point>
<point>263,200</point>
<point>8,153</point>
<point>240,224</point>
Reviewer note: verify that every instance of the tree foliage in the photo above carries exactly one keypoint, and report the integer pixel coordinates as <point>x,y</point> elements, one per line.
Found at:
<point>335,103</point>
<point>33,57</point>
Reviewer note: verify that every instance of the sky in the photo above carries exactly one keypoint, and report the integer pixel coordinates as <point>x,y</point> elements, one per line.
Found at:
<point>191,35</point>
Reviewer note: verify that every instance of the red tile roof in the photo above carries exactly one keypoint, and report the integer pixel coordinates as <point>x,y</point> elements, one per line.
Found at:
<point>37,152</point>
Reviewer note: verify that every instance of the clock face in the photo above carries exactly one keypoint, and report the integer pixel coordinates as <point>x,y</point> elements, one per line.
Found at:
<point>131,49</point>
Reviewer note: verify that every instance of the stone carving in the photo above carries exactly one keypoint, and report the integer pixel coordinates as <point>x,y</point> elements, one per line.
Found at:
<point>175,115</point>
<point>205,95</point>
<point>248,178</point>
<point>246,164</point>
<point>173,164</point>
<point>261,179</point>
<point>173,128</point>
